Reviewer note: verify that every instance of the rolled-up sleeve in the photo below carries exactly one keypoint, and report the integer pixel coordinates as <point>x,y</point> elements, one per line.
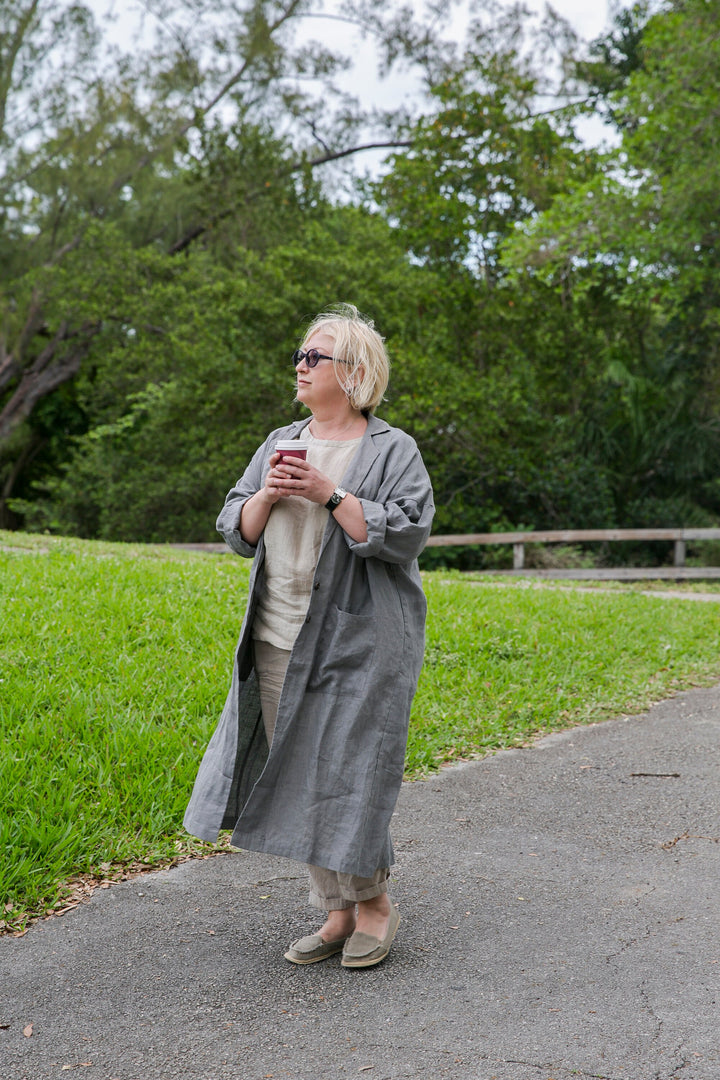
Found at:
<point>399,519</point>
<point>228,522</point>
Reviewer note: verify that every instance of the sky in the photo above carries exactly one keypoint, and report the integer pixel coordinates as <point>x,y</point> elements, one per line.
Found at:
<point>589,18</point>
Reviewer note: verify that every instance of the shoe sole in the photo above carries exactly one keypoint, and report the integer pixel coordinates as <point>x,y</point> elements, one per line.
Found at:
<point>313,959</point>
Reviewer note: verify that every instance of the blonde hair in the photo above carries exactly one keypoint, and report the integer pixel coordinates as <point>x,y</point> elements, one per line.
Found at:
<point>360,349</point>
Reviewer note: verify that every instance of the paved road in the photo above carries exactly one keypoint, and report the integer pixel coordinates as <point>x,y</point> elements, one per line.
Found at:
<point>560,919</point>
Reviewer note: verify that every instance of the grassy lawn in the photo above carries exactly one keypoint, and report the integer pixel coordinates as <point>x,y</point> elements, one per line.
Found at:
<point>505,660</point>
<point>116,660</point>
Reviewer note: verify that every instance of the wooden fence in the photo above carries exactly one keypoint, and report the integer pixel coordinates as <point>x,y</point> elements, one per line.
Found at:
<point>518,540</point>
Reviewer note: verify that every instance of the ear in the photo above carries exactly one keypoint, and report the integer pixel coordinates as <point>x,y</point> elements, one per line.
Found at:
<point>352,382</point>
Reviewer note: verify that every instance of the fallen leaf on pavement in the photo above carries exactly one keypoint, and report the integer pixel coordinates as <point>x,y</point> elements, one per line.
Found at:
<point>27,1030</point>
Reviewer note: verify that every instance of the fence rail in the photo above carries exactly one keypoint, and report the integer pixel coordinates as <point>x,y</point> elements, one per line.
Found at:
<point>679,571</point>
<point>518,540</point>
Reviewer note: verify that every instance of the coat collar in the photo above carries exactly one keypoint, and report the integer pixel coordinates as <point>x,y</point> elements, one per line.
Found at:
<point>367,451</point>
<point>376,426</point>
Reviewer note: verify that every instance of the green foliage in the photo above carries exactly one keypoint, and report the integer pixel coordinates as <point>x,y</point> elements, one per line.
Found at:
<point>612,59</point>
<point>551,311</point>
<point>194,370</point>
<point>636,243</point>
<point>171,146</point>
<point>480,161</point>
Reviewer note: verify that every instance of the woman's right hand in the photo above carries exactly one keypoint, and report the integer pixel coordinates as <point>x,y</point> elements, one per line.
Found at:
<point>270,492</point>
<point>256,511</point>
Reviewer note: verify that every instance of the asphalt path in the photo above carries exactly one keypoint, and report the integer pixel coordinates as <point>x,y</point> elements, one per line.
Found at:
<point>560,919</point>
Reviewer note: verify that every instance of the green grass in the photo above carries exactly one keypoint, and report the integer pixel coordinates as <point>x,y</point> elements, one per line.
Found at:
<point>506,661</point>
<point>116,660</point>
<point>114,669</point>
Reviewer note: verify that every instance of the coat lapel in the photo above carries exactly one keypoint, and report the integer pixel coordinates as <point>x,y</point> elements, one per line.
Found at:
<point>357,470</point>
<point>368,451</point>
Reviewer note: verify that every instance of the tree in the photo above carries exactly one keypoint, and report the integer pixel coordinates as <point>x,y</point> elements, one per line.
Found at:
<point>495,403</point>
<point>171,145</point>
<point>483,157</point>
<point>643,230</point>
<point>180,392</point>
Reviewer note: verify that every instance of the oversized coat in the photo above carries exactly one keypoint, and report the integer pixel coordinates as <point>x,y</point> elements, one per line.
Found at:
<point>325,792</point>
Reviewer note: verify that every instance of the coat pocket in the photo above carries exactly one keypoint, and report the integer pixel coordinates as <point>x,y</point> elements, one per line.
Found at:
<point>345,653</point>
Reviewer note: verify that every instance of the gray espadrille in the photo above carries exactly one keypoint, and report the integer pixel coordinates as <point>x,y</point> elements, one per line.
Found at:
<point>364,950</point>
<point>308,950</point>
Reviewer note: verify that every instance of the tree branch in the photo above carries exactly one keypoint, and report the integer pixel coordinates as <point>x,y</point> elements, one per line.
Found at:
<point>8,60</point>
<point>10,363</point>
<point>337,154</point>
<point>332,155</point>
<point>201,112</point>
<point>46,374</point>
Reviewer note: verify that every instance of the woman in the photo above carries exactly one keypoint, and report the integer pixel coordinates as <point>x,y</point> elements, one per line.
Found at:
<point>308,757</point>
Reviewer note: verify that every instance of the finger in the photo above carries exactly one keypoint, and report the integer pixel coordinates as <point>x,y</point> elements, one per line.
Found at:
<point>280,472</point>
<point>294,466</point>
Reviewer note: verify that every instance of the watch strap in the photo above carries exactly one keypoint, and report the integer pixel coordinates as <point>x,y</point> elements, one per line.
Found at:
<point>335,499</point>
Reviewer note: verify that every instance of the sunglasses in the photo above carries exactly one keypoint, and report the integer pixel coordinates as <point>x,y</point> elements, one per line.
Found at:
<point>310,357</point>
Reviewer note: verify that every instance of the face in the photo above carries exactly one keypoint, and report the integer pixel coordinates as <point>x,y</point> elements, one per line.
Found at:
<point>318,387</point>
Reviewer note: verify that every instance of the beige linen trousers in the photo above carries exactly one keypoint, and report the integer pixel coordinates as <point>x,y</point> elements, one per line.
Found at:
<point>329,889</point>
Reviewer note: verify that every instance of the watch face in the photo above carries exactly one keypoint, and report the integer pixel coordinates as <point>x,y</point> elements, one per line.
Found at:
<point>336,498</point>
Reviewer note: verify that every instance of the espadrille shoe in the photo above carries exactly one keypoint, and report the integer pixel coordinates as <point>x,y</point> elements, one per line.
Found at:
<point>308,950</point>
<point>364,950</point>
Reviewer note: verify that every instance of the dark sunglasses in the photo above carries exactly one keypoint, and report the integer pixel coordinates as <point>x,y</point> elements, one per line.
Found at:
<point>310,357</point>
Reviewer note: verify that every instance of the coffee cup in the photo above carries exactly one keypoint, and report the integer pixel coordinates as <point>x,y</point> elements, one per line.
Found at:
<point>291,448</point>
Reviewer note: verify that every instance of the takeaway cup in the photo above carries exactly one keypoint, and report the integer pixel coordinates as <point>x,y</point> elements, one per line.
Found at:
<point>291,448</point>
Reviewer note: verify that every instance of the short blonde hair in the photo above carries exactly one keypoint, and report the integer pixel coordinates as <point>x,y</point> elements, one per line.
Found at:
<point>360,349</point>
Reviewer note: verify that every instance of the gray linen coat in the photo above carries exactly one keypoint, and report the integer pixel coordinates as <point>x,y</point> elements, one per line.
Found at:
<point>325,792</point>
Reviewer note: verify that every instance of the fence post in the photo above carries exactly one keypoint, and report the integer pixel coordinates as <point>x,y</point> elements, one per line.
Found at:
<point>679,553</point>
<point>518,556</point>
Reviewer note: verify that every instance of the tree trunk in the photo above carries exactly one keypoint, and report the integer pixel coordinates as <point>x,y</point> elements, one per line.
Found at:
<point>47,372</point>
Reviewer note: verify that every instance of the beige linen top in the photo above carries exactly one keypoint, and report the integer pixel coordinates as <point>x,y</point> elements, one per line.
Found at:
<point>293,537</point>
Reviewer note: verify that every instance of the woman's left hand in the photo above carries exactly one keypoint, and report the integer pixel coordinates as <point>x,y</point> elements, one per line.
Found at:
<point>293,476</point>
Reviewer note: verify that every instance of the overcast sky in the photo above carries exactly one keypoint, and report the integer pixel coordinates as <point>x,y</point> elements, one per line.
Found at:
<point>588,17</point>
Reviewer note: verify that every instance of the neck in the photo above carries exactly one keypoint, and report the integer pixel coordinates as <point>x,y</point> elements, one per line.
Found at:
<point>348,425</point>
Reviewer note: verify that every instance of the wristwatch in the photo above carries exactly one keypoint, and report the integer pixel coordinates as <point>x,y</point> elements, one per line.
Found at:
<point>335,499</point>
